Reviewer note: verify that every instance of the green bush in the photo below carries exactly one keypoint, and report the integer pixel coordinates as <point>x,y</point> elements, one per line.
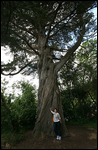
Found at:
<point>19,115</point>
<point>76,106</point>
<point>25,106</point>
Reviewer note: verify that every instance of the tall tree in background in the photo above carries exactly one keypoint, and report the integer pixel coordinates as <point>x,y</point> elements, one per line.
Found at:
<point>43,35</point>
<point>78,80</point>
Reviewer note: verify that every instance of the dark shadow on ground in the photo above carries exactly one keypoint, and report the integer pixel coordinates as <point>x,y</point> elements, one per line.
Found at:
<point>80,138</point>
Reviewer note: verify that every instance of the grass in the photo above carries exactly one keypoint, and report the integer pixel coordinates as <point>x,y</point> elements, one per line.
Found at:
<point>92,123</point>
<point>9,138</point>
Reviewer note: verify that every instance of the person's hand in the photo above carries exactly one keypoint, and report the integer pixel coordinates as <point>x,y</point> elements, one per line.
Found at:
<point>50,109</point>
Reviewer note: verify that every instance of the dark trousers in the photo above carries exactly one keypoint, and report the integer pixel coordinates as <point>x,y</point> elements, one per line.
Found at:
<point>57,128</point>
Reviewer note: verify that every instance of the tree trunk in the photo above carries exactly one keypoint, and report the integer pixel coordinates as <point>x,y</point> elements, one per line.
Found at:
<point>48,96</point>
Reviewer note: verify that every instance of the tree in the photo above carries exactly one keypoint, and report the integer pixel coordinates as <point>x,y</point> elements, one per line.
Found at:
<point>24,105</point>
<point>88,68</point>
<point>79,81</point>
<point>7,114</point>
<point>50,32</point>
<point>20,113</point>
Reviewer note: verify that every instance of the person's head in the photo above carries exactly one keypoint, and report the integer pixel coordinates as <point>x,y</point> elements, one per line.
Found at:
<point>55,110</point>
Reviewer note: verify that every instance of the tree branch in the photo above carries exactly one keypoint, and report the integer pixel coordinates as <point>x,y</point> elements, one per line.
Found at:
<point>53,21</point>
<point>92,97</point>
<point>53,58</point>
<point>65,58</point>
<point>69,15</point>
<point>24,29</point>
<point>57,49</point>
<point>36,59</point>
<point>28,44</point>
<point>60,28</point>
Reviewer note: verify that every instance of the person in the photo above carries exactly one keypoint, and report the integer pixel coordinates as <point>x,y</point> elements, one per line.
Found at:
<point>57,123</point>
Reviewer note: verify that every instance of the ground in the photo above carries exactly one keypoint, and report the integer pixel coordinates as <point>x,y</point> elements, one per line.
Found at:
<point>80,138</point>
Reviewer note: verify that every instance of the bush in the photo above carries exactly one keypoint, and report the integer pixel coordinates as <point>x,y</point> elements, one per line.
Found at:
<point>19,115</point>
<point>75,108</point>
<point>25,106</point>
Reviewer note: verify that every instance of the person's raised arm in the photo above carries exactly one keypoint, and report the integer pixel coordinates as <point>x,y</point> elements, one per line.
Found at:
<point>52,111</point>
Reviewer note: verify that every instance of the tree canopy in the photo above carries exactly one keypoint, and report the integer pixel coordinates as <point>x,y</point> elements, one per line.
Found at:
<point>28,26</point>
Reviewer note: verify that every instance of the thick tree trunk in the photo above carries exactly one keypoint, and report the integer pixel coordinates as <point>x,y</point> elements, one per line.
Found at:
<point>48,96</point>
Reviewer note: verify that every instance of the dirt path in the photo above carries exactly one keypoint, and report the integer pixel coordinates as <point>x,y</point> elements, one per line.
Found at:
<point>80,138</point>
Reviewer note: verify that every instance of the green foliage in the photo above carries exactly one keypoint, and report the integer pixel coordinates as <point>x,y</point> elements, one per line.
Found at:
<point>7,121</point>
<point>19,115</point>
<point>25,106</point>
<point>11,138</point>
<point>24,23</point>
<point>79,83</point>
<point>75,108</point>
<point>91,123</point>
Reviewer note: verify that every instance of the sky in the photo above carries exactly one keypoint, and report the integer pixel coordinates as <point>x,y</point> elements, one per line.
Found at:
<point>33,80</point>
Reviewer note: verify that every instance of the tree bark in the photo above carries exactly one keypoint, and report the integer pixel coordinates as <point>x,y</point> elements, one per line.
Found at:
<point>48,96</point>
<point>48,93</point>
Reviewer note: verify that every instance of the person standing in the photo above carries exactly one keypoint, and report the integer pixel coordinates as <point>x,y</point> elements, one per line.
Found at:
<point>57,123</point>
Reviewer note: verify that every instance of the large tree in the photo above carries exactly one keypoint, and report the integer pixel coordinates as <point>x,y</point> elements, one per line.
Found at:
<point>43,35</point>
